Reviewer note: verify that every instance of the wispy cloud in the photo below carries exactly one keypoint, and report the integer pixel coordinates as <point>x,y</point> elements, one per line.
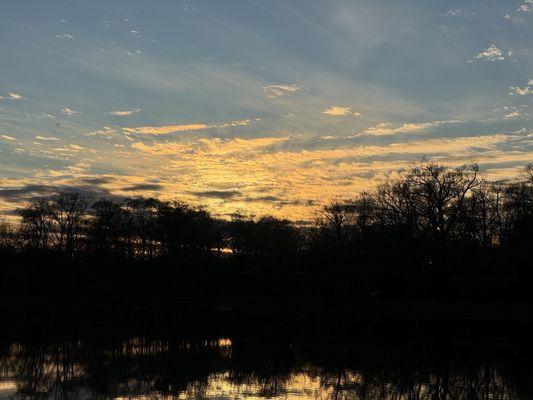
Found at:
<point>212,146</point>
<point>491,53</point>
<point>509,112</point>
<point>72,148</point>
<point>296,175</point>
<point>15,96</point>
<point>522,91</point>
<point>65,36</point>
<point>69,111</point>
<point>123,113</point>
<point>387,129</point>
<point>457,12</point>
<point>242,122</point>
<point>167,129</point>
<point>526,6</point>
<point>7,137</point>
<point>46,138</point>
<point>218,194</point>
<point>274,91</point>
<point>339,111</point>
<point>106,132</point>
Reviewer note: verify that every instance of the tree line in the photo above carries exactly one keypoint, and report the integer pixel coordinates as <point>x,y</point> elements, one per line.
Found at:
<point>431,223</point>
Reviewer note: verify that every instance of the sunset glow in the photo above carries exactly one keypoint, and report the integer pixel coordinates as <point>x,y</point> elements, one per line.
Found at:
<point>265,109</point>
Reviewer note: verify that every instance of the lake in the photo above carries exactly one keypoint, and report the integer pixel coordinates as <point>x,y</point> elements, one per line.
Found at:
<point>69,355</point>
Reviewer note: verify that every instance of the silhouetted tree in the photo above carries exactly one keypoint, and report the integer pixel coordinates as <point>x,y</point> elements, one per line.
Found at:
<point>105,228</point>
<point>336,222</point>
<point>37,224</point>
<point>437,194</point>
<point>8,236</point>
<point>414,232</point>
<point>68,211</point>
<point>142,223</point>
<point>529,173</point>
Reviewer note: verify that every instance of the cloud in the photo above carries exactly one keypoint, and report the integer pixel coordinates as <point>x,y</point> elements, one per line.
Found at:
<point>512,114</point>
<point>164,130</point>
<point>274,91</point>
<point>70,111</point>
<point>6,137</point>
<point>387,129</point>
<point>71,148</point>
<point>29,191</point>
<point>15,96</point>
<point>212,146</point>
<point>457,13</point>
<point>297,175</point>
<point>265,176</point>
<point>338,111</point>
<point>242,122</point>
<point>526,6</point>
<point>218,194</point>
<point>522,91</point>
<point>167,129</point>
<point>491,53</point>
<point>106,132</point>
<point>25,192</point>
<point>124,113</point>
<point>46,138</point>
<point>98,180</point>
<point>65,36</point>
<point>143,187</point>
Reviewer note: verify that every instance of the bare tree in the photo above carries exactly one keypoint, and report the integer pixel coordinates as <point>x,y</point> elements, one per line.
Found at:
<point>106,226</point>
<point>37,224</point>
<point>68,211</point>
<point>8,236</point>
<point>336,222</point>
<point>482,218</point>
<point>437,194</point>
<point>529,173</point>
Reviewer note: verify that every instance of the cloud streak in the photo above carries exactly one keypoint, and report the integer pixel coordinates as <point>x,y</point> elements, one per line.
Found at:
<point>274,91</point>
<point>46,138</point>
<point>388,129</point>
<point>15,96</point>
<point>124,113</point>
<point>340,111</point>
<point>69,111</point>
<point>7,137</point>
<point>491,53</point>
<point>168,129</point>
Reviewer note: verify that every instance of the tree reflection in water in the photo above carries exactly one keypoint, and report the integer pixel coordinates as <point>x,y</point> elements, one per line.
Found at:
<point>403,363</point>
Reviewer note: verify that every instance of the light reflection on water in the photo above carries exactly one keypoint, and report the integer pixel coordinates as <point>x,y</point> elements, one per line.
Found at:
<point>139,368</point>
<point>298,386</point>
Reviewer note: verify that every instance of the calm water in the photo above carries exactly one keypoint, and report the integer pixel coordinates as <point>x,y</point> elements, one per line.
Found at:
<point>163,352</point>
<point>388,362</point>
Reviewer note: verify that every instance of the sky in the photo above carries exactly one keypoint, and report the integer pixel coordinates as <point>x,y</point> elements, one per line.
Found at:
<point>263,107</point>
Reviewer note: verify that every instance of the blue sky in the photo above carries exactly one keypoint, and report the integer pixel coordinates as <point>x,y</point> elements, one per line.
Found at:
<point>266,106</point>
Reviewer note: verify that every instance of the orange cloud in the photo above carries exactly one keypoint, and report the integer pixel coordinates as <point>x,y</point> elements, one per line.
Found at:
<point>166,129</point>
